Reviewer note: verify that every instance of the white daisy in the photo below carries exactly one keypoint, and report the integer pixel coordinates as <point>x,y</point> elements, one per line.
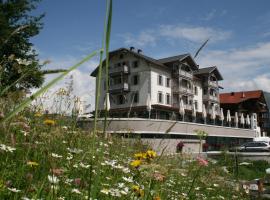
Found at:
<point>14,190</point>
<point>55,155</point>
<point>76,191</point>
<point>53,179</point>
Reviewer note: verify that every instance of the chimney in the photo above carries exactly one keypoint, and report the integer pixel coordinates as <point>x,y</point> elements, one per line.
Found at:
<point>139,51</point>
<point>131,48</point>
<point>232,93</point>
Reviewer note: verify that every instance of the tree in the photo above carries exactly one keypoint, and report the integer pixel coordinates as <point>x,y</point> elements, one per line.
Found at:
<point>19,65</point>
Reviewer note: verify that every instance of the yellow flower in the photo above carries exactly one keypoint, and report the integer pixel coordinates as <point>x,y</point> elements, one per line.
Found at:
<point>49,122</point>
<point>140,156</point>
<point>139,192</point>
<point>157,198</point>
<point>62,92</point>
<point>38,115</point>
<point>32,164</point>
<point>136,163</point>
<point>151,154</point>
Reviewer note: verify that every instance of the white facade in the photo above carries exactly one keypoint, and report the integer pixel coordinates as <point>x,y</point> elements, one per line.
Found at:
<point>162,88</point>
<point>198,96</point>
<point>168,81</point>
<point>142,87</point>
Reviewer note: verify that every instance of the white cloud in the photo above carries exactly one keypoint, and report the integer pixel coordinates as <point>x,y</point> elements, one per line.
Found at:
<point>193,34</point>
<point>173,33</point>
<point>143,39</point>
<point>242,69</point>
<point>259,82</point>
<point>83,83</point>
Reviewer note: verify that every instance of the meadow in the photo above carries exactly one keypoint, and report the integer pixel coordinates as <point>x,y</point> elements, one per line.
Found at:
<point>48,157</point>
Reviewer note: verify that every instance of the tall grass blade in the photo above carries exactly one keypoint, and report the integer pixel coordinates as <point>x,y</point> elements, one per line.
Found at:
<point>108,36</point>
<point>104,39</point>
<point>28,100</point>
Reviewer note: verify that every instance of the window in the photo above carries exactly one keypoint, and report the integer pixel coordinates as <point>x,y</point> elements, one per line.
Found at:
<point>185,100</point>
<point>160,97</point>
<point>118,64</point>
<point>135,64</point>
<point>160,80</point>
<point>120,99</point>
<point>136,98</point>
<point>168,80</point>
<point>196,105</point>
<point>205,91</point>
<point>196,90</point>
<point>186,83</point>
<point>121,56</point>
<point>168,99</point>
<point>213,93</point>
<point>135,80</point>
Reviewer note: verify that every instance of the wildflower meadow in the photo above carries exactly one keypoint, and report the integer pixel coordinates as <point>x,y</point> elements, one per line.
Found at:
<point>46,157</point>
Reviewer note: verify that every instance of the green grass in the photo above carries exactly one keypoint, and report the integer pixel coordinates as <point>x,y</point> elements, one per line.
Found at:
<point>248,170</point>
<point>97,167</point>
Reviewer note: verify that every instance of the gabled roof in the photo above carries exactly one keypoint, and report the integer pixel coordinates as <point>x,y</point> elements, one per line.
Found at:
<point>237,97</point>
<point>140,55</point>
<point>179,58</point>
<point>173,58</point>
<point>208,70</point>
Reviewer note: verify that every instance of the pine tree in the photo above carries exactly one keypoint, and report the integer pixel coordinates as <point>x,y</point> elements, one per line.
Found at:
<point>19,64</point>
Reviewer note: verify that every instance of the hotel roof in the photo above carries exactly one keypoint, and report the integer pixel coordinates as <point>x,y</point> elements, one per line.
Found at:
<point>237,97</point>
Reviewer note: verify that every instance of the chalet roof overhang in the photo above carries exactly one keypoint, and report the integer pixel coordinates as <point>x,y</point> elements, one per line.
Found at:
<point>207,71</point>
<point>180,58</point>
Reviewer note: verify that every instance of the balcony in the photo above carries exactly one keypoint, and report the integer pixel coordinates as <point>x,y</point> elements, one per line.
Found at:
<point>118,70</point>
<point>182,90</point>
<point>187,106</point>
<point>212,84</point>
<point>118,88</point>
<point>210,98</point>
<point>183,74</point>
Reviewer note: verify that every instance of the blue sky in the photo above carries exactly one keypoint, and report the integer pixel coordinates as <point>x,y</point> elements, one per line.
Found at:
<point>239,33</point>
